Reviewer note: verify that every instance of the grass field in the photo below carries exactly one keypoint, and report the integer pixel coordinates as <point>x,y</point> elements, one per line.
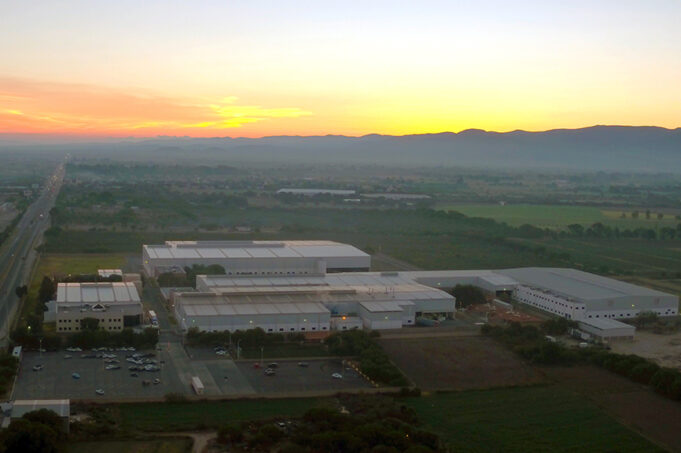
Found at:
<point>546,216</point>
<point>523,419</point>
<point>208,414</point>
<point>64,264</point>
<point>169,445</point>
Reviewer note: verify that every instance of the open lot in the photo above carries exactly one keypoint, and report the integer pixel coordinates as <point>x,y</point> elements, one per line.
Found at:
<point>55,379</point>
<point>290,377</point>
<point>458,362</point>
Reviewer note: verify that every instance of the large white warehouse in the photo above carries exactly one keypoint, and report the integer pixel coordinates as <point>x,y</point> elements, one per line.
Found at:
<point>257,257</point>
<point>376,300</point>
<point>580,295</point>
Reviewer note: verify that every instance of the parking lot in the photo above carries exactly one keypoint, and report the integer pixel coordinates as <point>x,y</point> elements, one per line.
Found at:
<point>290,377</point>
<point>55,380</point>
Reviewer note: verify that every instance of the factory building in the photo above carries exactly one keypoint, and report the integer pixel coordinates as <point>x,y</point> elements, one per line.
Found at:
<point>116,305</point>
<point>256,258</point>
<point>580,295</point>
<point>304,303</point>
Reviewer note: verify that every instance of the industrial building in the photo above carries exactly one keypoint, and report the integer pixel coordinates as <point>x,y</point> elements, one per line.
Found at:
<point>256,257</point>
<point>116,305</point>
<point>578,295</point>
<point>309,303</point>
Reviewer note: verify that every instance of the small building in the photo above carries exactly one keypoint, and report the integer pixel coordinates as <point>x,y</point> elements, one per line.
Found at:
<point>607,329</point>
<point>21,407</point>
<point>116,305</point>
<point>197,385</point>
<point>314,192</point>
<point>107,273</point>
<point>378,315</point>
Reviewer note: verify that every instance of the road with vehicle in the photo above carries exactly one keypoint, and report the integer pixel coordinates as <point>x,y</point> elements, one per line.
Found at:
<point>18,255</point>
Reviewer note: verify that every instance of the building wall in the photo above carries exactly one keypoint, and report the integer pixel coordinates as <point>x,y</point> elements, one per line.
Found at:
<point>380,320</point>
<point>270,323</point>
<point>609,334</point>
<point>550,302</point>
<point>620,308</point>
<point>69,322</point>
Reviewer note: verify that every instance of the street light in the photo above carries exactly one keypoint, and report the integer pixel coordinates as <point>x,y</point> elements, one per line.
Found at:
<point>238,349</point>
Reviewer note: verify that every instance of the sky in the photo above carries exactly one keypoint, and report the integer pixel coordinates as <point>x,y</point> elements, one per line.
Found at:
<point>258,68</point>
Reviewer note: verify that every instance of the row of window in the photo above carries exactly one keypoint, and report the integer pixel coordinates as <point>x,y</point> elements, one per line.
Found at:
<point>76,329</point>
<point>78,320</point>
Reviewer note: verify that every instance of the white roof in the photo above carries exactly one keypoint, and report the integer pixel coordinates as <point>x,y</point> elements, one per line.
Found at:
<point>350,286</point>
<point>252,249</point>
<point>213,305</point>
<point>384,306</point>
<point>81,293</point>
<point>578,285</point>
<point>605,324</point>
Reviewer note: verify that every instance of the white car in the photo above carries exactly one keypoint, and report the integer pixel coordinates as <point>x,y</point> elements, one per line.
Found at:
<point>337,376</point>
<point>99,392</point>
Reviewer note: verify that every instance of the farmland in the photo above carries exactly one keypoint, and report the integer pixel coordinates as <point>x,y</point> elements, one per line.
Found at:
<point>560,216</point>
<point>207,414</point>
<point>521,419</point>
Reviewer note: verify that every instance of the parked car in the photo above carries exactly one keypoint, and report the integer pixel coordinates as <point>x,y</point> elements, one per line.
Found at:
<point>157,381</point>
<point>134,375</point>
<point>113,367</point>
<point>269,372</point>
<point>99,392</point>
<point>38,367</point>
<point>337,376</point>
<point>75,375</point>
<point>273,365</point>
<point>303,364</point>
<point>67,356</point>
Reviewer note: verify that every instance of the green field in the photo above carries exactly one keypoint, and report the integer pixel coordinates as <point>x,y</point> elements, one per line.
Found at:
<point>208,414</point>
<point>559,216</point>
<point>169,445</point>
<point>523,419</point>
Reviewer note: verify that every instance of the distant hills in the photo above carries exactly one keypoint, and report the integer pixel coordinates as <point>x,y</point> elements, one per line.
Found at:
<point>606,148</point>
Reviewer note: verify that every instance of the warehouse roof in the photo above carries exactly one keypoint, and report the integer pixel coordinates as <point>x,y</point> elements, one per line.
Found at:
<point>578,285</point>
<point>252,249</point>
<point>104,292</point>
<point>330,287</point>
<point>606,324</point>
<point>384,306</point>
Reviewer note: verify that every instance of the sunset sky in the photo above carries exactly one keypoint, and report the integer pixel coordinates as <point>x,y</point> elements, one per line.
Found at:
<point>255,68</point>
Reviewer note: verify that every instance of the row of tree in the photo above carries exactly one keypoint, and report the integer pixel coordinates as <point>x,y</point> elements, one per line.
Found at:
<point>531,344</point>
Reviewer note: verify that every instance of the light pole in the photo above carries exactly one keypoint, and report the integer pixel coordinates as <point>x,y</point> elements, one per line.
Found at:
<point>40,350</point>
<point>262,353</point>
<point>238,349</point>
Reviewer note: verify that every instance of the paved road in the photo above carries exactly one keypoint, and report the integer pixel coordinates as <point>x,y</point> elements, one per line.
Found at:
<point>17,255</point>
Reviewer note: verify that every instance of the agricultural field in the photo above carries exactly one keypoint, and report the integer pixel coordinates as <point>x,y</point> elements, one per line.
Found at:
<point>521,419</point>
<point>560,216</point>
<point>458,363</point>
<point>207,414</point>
<point>168,445</point>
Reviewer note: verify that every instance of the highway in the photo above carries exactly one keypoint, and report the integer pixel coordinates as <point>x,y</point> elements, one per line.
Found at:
<point>18,255</point>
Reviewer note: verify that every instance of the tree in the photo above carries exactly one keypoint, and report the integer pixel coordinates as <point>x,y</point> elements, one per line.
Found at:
<point>25,436</point>
<point>21,291</point>
<point>468,295</point>
<point>47,290</point>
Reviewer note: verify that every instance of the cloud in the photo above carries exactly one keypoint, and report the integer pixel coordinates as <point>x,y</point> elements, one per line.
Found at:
<point>34,106</point>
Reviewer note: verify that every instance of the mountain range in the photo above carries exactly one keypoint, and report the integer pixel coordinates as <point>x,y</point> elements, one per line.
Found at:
<point>597,148</point>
